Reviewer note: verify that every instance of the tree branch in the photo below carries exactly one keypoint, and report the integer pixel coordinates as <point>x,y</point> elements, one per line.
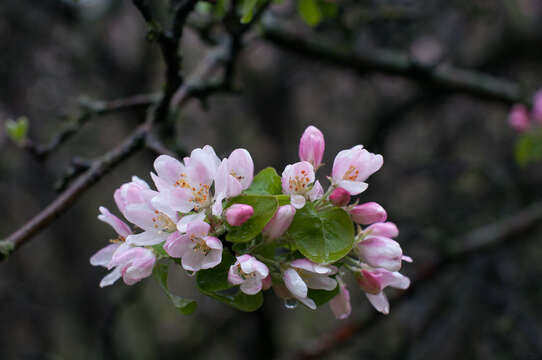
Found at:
<point>479,240</point>
<point>442,76</point>
<point>88,110</point>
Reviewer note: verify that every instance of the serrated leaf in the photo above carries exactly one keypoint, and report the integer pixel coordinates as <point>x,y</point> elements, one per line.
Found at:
<point>310,12</point>
<point>185,306</point>
<point>266,182</point>
<point>322,236</point>
<point>264,209</point>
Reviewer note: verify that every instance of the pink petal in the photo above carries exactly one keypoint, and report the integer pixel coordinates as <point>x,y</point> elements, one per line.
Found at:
<point>198,227</point>
<point>320,282</point>
<point>353,187</point>
<point>295,283</point>
<point>146,238</point>
<point>251,286</point>
<point>110,278</point>
<point>168,168</point>
<point>240,162</point>
<point>104,255</point>
<point>177,245</point>
<point>297,201</point>
<point>379,302</point>
<point>182,225</point>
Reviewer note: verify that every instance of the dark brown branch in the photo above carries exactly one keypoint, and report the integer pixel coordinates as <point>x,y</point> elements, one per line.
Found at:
<point>482,239</point>
<point>88,109</point>
<point>442,76</point>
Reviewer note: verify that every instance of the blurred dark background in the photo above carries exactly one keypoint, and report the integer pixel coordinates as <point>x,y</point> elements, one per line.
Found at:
<point>449,169</point>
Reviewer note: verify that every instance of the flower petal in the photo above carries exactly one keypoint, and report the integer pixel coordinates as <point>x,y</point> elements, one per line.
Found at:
<point>295,283</point>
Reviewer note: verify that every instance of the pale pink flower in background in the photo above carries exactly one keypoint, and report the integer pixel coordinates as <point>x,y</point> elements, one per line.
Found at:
<point>196,248</point>
<point>234,175</point>
<point>133,263</point>
<point>339,197</point>
<point>103,258</point>
<point>304,274</point>
<point>387,229</point>
<point>380,252</point>
<point>537,107</point>
<point>238,214</point>
<point>296,180</point>
<point>368,213</point>
<point>353,166</point>
<point>312,146</point>
<point>518,118</point>
<point>248,272</point>
<point>340,304</point>
<point>376,280</point>
<point>279,223</point>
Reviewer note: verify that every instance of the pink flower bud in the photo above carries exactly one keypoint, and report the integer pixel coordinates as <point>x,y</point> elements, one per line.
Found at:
<point>380,252</point>
<point>340,304</point>
<point>376,280</point>
<point>238,214</point>
<point>279,223</point>
<point>387,229</point>
<point>339,197</point>
<point>311,146</point>
<point>368,213</point>
<point>134,264</point>
<point>518,118</point>
<point>537,107</point>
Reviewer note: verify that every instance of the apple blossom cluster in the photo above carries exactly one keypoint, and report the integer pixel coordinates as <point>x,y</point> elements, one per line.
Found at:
<point>241,234</point>
<point>521,119</point>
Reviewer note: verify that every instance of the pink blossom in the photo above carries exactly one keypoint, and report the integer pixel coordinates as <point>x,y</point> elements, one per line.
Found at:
<point>339,197</point>
<point>537,107</point>
<point>238,214</point>
<point>316,192</point>
<point>340,304</point>
<point>249,273</point>
<point>387,229</point>
<point>296,180</point>
<point>368,213</point>
<point>279,223</point>
<point>376,280</point>
<point>197,249</point>
<point>156,224</point>
<point>234,175</point>
<point>134,263</point>
<point>518,118</point>
<point>136,191</point>
<point>117,224</point>
<point>311,146</point>
<point>380,252</point>
<point>184,187</point>
<point>304,274</point>
<point>353,166</point>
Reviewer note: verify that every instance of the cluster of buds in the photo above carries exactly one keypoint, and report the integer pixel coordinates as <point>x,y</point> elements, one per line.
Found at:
<point>242,234</point>
<point>521,119</point>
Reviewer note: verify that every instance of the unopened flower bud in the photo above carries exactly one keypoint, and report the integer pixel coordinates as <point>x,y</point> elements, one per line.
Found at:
<point>340,304</point>
<point>339,197</point>
<point>518,118</point>
<point>368,213</point>
<point>238,214</point>
<point>279,223</point>
<point>380,252</point>
<point>311,146</point>
<point>387,229</point>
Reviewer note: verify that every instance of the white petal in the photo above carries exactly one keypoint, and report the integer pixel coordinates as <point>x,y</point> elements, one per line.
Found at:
<point>295,283</point>
<point>379,302</point>
<point>110,278</point>
<point>147,238</point>
<point>103,256</point>
<point>298,201</point>
<point>353,187</point>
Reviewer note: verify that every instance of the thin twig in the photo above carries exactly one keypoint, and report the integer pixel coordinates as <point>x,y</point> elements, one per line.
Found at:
<point>442,76</point>
<point>482,239</point>
<point>88,109</point>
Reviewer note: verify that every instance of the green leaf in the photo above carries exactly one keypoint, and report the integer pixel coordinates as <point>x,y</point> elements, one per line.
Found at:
<point>214,283</point>
<point>18,129</point>
<point>247,10</point>
<point>185,306</point>
<point>264,209</point>
<point>310,11</point>
<point>216,279</point>
<point>322,236</point>
<point>529,148</point>
<point>159,251</point>
<point>322,297</point>
<point>266,182</point>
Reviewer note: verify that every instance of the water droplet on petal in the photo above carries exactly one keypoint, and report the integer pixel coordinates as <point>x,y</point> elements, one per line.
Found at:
<point>290,303</point>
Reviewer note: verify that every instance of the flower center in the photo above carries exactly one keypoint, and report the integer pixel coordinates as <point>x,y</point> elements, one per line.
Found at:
<point>162,222</point>
<point>200,194</point>
<point>119,240</point>
<point>298,184</point>
<point>351,174</point>
<point>200,245</point>
<point>238,177</point>
<point>244,275</point>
